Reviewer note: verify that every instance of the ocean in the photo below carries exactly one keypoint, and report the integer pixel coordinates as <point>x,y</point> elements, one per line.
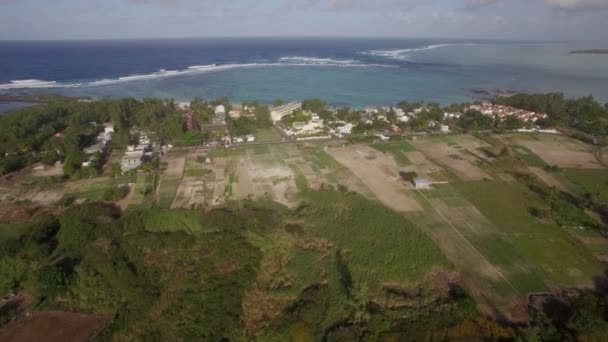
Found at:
<point>355,72</point>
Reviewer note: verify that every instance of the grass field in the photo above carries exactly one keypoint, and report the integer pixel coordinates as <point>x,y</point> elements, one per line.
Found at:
<point>528,157</point>
<point>167,190</point>
<point>589,180</point>
<point>267,134</point>
<point>396,149</point>
<point>143,192</point>
<point>91,190</point>
<point>544,245</point>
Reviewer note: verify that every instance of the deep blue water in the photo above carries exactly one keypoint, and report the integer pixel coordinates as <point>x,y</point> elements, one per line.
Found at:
<point>357,72</point>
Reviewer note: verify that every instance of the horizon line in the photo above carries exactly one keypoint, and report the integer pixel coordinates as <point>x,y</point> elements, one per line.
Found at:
<point>295,37</point>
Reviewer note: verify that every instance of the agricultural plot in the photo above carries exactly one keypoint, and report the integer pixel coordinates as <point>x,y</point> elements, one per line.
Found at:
<point>171,177</point>
<point>491,269</point>
<point>590,181</point>
<point>397,149</point>
<point>197,186</point>
<point>455,158</point>
<point>262,172</point>
<point>142,192</point>
<point>88,189</point>
<point>379,173</point>
<point>548,248</point>
<point>554,150</point>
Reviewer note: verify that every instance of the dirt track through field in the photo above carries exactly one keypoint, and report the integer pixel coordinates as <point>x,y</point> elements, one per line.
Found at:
<point>379,173</point>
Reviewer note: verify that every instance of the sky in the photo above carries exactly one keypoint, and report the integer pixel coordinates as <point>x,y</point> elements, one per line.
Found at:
<point>475,19</point>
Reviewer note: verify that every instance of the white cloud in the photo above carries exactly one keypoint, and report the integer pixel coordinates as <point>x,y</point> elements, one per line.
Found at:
<point>578,5</point>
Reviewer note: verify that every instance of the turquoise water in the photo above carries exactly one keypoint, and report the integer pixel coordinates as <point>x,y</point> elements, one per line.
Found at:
<point>341,71</point>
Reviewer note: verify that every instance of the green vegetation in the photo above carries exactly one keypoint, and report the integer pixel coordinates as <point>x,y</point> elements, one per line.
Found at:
<point>328,270</point>
<point>591,183</point>
<point>351,221</point>
<point>396,149</point>
<point>543,244</point>
<point>528,157</point>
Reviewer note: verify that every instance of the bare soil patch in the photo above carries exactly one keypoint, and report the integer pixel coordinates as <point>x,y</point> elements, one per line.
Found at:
<point>379,173</point>
<point>460,163</point>
<point>557,150</point>
<point>175,164</point>
<point>264,177</point>
<point>51,326</point>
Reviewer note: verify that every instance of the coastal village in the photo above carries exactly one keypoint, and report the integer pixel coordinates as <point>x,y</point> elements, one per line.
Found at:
<point>292,122</point>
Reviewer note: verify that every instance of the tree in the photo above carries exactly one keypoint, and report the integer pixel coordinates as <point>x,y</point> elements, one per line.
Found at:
<point>513,123</point>
<point>73,162</point>
<point>49,281</point>
<point>12,273</point>
<point>314,105</point>
<point>262,116</point>
<point>474,120</point>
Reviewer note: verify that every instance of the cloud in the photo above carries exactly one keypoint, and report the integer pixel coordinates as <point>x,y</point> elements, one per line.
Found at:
<point>477,4</point>
<point>578,5</point>
<point>351,5</point>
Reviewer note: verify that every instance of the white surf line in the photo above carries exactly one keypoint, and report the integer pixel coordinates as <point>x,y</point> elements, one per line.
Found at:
<point>471,245</point>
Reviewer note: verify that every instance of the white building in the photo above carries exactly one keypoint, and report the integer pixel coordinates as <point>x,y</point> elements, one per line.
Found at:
<point>403,119</point>
<point>346,129</point>
<point>422,183</point>
<point>279,112</point>
<point>220,110</point>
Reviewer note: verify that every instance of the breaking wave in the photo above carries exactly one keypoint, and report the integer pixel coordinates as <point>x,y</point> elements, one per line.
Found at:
<point>403,54</point>
<point>195,69</point>
<point>29,84</point>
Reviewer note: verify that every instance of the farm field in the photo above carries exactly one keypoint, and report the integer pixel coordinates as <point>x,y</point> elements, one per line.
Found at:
<point>553,149</point>
<point>475,226</point>
<point>380,174</point>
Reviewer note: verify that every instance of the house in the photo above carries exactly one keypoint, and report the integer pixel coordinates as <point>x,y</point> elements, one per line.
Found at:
<point>235,112</point>
<point>403,119</point>
<point>250,138</point>
<point>422,183</point>
<point>220,114</point>
<point>346,129</point>
<point>445,129</point>
<point>129,163</point>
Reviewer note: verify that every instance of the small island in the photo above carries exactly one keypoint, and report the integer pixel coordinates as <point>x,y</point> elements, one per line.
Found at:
<point>593,51</point>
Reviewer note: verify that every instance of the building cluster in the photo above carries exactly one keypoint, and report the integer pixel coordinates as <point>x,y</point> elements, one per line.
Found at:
<point>136,154</point>
<point>101,146</point>
<point>278,112</point>
<point>238,111</point>
<point>313,128</point>
<point>501,113</point>
<point>380,113</point>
